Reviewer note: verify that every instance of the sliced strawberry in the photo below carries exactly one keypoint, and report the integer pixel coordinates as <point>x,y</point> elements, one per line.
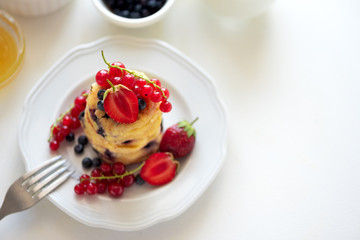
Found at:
<point>121,104</point>
<point>159,168</point>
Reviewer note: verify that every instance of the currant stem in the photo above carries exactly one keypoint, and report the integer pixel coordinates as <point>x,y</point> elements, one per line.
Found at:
<point>57,121</point>
<point>61,117</point>
<point>119,176</point>
<point>134,73</point>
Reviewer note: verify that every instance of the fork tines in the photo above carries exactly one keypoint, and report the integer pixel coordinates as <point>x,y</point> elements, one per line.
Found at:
<point>46,177</point>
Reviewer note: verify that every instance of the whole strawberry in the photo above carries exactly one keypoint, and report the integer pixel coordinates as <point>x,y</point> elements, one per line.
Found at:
<point>179,139</point>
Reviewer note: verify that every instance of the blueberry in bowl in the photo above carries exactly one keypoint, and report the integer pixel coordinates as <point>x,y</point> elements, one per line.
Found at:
<point>133,13</point>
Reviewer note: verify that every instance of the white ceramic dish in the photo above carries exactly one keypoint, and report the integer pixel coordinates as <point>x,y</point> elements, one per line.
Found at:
<point>132,23</point>
<point>193,94</point>
<point>32,7</point>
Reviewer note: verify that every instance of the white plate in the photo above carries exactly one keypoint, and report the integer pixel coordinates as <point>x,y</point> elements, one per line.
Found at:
<point>193,94</point>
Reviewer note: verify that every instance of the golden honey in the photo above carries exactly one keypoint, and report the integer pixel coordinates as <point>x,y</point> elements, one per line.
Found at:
<point>11,48</point>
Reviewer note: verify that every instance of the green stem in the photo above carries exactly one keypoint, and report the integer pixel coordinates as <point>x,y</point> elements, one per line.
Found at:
<point>57,121</point>
<point>111,84</point>
<point>119,176</point>
<point>194,121</point>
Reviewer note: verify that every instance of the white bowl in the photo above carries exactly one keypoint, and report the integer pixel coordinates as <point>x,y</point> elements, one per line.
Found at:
<point>32,7</point>
<point>132,22</point>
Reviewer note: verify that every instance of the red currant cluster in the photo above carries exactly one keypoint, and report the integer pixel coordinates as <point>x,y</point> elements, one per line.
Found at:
<point>147,89</point>
<point>68,121</point>
<point>112,178</point>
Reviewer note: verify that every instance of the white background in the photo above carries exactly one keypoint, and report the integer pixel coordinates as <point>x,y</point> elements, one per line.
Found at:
<point>291,83</point>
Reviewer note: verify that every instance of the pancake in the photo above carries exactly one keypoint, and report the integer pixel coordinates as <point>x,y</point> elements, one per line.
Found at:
<point>116,142</point>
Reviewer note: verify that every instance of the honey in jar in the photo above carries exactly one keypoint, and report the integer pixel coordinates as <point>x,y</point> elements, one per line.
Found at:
<point>11,48</point>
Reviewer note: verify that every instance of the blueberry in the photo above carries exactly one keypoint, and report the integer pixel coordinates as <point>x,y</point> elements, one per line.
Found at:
<point>135,15</point>
<point>152,3</point>
<point>150,144</point>
<point>108,154</point>
<point>70,137</point>
<point>100,94</point>
<point>138,7</point>
<point>139,180</point>
<point>81,115</point>
<point>124,13</point>
<point>101,132</point>
<point>100,105</point>
<point>106,116</point>
<point>82,140</point>
<point>87,162</point>
<point>79,148</point>
<point>93,115</point>
<point>142,104</point>
<point>145,12</point>
<point>96,162</point>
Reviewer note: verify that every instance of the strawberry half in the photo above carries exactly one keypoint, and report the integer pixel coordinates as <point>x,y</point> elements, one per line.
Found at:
<point>159,168</point>
<point>121,104</point>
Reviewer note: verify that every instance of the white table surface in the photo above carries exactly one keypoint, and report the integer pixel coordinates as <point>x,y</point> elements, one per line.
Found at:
<point>291,83</point>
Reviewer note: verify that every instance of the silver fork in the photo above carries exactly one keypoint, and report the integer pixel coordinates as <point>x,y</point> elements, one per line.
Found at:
<point>34,185</point>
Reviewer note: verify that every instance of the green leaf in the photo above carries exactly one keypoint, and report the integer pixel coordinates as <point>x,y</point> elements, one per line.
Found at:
<point>183,124</point>
<point>190,132</point>
<point>188,128</point>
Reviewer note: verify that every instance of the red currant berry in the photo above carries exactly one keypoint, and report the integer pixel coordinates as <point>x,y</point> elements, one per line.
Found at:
<point>146,91</point>
<point>65,130</point>
<point>166,93</point>
<point>140,82</point>
<point>118,168</point>
<point>84,180</point>
<point>75,111</point>
<point>156,82</point>
<point>115,189</point>
<point>80,101</point>
<point>91,189</point>
<point>59,137</point>
<point>111,180</point>
<point>156,96</point>
<point>84,177</point>
<point>116,72</point>
<point>56,129</point>
<point>101,77</point>
<point>165,106</point>
<point>128,80</point>
<point>136,90</point>
<point>106,168</point>
<point>67,120</point>
<point>128,180</point>
<point>54,145</point>
<point>96,172</point>
<point>79,189</point>
<point>101,186</point>
<point>75,123</point>
<point>116,80</point>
